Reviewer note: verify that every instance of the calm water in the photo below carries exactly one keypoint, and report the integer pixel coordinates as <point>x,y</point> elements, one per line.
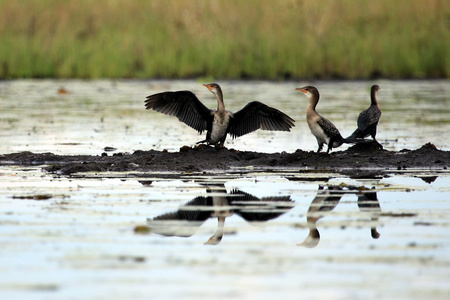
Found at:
<point>91,115</point>
<point>78,240</point>
<point>285,235</point>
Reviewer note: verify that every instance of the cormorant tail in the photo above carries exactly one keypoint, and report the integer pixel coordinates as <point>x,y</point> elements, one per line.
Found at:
<point>357,134</point>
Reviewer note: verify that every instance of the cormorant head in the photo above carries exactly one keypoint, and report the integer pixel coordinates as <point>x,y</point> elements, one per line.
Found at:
<point>309,91</point>
<point>213,87</point>
<point>375,87</point>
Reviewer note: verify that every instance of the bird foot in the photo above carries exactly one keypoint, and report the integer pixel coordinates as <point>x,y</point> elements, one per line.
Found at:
<point>200,146</point>
<point>378,144</point>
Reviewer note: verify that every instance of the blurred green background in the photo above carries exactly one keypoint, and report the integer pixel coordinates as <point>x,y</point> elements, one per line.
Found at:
<point>261,39</point>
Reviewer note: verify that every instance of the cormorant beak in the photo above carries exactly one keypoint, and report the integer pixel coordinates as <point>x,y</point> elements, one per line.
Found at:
<point>208,86</point>
<point>301,90</point>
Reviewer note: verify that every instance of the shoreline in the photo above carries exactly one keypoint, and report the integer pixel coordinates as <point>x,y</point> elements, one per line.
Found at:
<point>359,159</point>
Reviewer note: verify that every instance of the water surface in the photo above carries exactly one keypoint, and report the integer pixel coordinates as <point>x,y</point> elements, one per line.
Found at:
<point>249,235</point>
<point>59,234</point>
<point>84,117</point>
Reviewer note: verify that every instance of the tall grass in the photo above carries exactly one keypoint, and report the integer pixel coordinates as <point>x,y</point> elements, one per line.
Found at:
<point>225,38</point>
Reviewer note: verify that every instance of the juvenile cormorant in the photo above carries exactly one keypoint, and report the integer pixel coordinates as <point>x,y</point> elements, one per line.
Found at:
<point>368,119</point>
<point>218,123</point>
<point>328,198</point>
<point>324,131</point>
<point>324,202</point>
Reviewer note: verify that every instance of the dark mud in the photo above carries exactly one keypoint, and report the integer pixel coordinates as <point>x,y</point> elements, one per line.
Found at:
<point>359,159</point>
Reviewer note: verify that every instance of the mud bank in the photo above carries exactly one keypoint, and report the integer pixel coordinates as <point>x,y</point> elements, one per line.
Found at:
<point>357,159</point>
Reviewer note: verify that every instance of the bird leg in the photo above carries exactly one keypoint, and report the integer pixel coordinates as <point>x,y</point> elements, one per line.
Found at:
<point>320,147</point>
<point>379,145</point>
<point>219,146</point>
<point>330,146</point>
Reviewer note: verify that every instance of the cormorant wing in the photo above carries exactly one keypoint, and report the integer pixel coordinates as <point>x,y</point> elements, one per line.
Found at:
<point>329,128</point>
<point>185,221</point>
<point>182,104</point>
<point>256,115</point>
<point>368,117</point>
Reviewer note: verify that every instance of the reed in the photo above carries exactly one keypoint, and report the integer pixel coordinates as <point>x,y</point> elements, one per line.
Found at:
<point>225,39</point>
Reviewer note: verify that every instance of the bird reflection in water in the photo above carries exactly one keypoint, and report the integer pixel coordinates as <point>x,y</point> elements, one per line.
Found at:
<point>328,198</point>
<point>188,218</point>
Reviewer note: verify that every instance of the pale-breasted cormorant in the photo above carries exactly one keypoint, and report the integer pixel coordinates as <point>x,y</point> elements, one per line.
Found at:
<point>218,123</point>
<point>328,198</point>
<point>324,202</point>
<point>324,131</point>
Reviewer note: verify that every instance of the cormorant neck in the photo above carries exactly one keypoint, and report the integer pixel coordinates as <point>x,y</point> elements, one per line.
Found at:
<point>373,97</point>
<point>219,96</point>
<point>313,100</point>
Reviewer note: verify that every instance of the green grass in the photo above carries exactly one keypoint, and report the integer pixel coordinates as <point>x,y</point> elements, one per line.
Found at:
<point>225,39</point>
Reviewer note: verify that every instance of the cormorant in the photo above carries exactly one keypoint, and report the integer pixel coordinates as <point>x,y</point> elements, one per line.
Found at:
<point>369,118</point>
<point>324,131</point>
<point>218,123</point>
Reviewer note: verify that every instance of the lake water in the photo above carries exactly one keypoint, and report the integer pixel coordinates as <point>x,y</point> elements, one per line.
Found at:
<point>84,117</point>
<point>287,235</point>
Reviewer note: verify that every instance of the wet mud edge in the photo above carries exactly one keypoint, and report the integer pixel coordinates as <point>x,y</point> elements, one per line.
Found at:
<point>208,159</point>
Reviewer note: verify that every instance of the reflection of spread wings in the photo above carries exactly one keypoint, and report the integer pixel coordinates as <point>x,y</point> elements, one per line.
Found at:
<point>188,218</point>
<point>183,222</point>
<point>252,208</point>
<point>189,212</point>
